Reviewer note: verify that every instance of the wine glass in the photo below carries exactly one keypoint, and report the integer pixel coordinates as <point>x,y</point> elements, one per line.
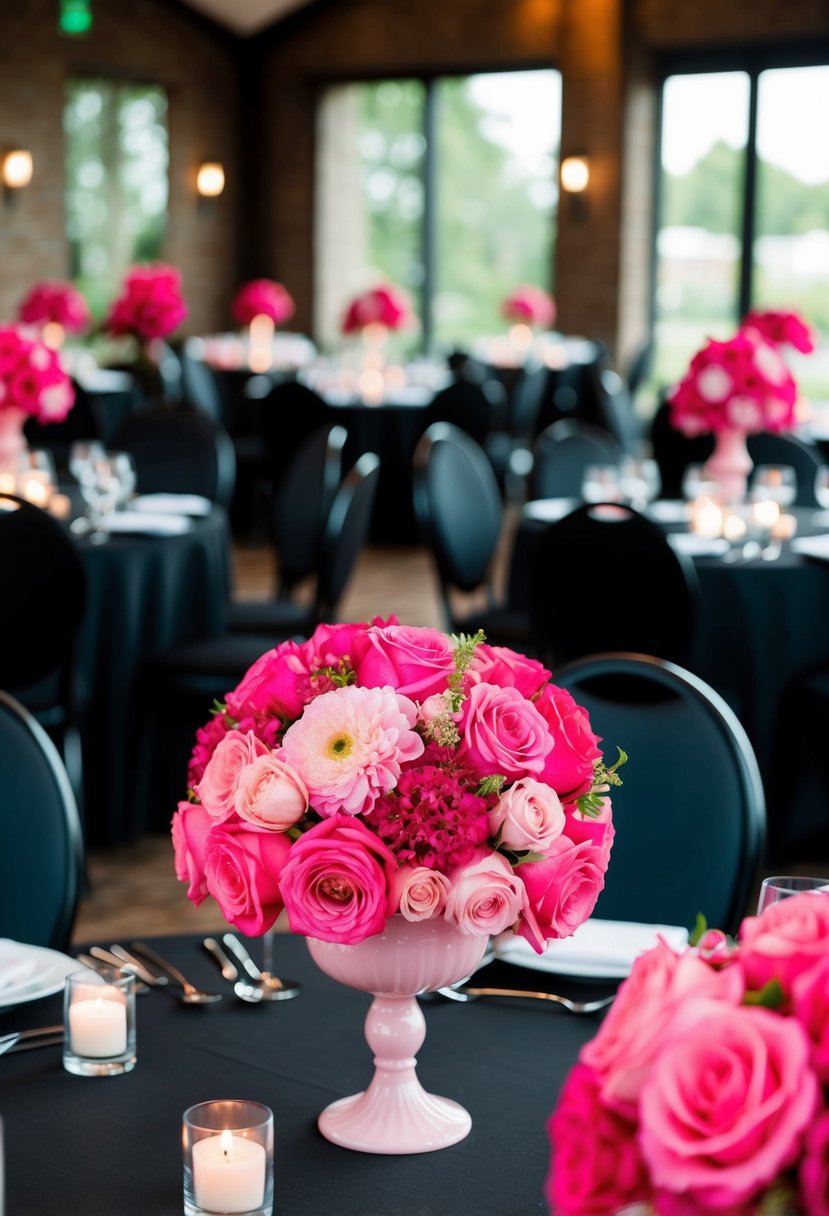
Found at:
<point>775,483</point>
<point>123,468</point>
<point>81,453</point>
<point>99,490</point>
<point>696,484</point>
<point>639,481</point>
<point>773,890</point>
<point>600,483</point>
<point>822,486</point>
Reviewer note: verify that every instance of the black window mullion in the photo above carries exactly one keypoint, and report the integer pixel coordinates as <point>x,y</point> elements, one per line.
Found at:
<point>749,216</point>
<point>428,252</point>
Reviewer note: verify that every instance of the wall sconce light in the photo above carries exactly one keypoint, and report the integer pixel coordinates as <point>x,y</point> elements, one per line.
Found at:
<point>210,179</point>
<point>575,174</point>
<point>16,168</point>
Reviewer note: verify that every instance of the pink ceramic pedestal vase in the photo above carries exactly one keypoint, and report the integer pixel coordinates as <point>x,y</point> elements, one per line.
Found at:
<point>730,464</point>
<point>395,1114</point>
<point>12,439</point>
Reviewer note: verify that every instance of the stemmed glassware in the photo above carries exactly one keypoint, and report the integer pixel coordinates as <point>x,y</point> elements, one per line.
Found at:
<point>773,890</point>
<point>775,483</point>
<point>639,481</point>
<point>600,483</point>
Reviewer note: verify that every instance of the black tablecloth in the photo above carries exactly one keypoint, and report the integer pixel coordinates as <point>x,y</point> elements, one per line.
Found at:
<point>146,594</point>
<point>112,1146</point>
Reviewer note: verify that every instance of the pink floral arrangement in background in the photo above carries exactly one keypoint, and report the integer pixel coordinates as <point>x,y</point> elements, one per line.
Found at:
<point>705,1089</point>
<point>782,328</point>
<point>378,769</point>
<point>383,305</point>
<point>262,297</point>
<point>58,302</point>
<point>32,380</point>
<point>150,304</point>
<point>529,305</point>
<point>741,385</point>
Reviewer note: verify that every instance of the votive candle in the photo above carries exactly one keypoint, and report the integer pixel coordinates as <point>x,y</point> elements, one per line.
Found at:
<point>228,1173</point>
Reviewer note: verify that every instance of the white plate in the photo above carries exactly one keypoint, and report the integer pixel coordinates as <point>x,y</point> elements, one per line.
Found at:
<point>697,546</point>
<point>667,511</point>
<point>599,949</point>
<point>140,523</point>
<point>172,504</point>
<point>47,977</point>
<point>549,510</point>
<point>812,546</point>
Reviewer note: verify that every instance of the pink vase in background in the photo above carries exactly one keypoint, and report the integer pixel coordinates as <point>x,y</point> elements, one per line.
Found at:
<point>395,1114</point>
<point>12,439</point>
<point>730,464</point>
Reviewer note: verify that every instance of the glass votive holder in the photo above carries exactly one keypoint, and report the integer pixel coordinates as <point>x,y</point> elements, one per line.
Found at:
<point>228,1158</point>
<point>99,1023</point>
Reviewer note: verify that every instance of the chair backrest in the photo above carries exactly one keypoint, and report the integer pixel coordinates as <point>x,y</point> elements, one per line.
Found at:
<point>303,504</point>
<point>458,507</point>
<point>346,531</point>
<point>476,408</point>
<point>606,578</point>
<point>40,834</point>
<point>200,386</point>
<point>288,414</point>
<point>690,815</point>
<point>614,408</point>
<point>561,454</point>
<point>525,401</point>
<point>804,458</point>
<point>43,595</point>
<point>180,451</point>
<point>673,451</point>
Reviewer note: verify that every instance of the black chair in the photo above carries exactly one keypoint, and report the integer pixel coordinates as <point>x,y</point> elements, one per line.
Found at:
<point>300,514</point>
<point>690,815</point>
<point>40,834</point>
<point>804,458</point>
<point>475,408</point>
<point>509,449</point>
<point>41,608</point>
<point>461,517</point>
<point>561,454</point>
<point>609,405</point>
<point>673,451</point>
<point>605,578</point>
<point>57,437</point>
<point>200,386</point>
<point>180,451</point>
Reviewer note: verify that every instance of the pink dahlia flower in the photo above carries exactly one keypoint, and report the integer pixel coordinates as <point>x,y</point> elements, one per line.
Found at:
<point>529,305</point>
<point>150,304</point>
<point>262,297</point>
<point>383,305</point>
<point>58,301</point>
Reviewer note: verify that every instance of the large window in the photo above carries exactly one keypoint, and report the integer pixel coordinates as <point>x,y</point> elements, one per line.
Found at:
<point>116,181</point>
<point>745,209</point>
<point>447,187</point>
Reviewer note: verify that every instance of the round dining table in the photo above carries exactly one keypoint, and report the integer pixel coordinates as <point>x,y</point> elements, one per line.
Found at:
<point>84,1146</point>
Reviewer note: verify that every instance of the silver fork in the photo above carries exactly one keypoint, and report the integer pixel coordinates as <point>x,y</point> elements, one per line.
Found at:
<point>464,994</point>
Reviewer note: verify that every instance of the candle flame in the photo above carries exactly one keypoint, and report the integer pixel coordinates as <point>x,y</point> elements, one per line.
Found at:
<point>226,1144</point>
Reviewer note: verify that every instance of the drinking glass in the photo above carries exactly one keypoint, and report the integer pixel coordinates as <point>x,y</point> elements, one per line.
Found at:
<point>695,484</point>
<point>600,483</point>
<point>774,889</point>
<point>639,481</point>
<point>81,454</point>
<point>123,468</point>
<point>822,486</point>
<point>776,483</point>
<point>99,490</point>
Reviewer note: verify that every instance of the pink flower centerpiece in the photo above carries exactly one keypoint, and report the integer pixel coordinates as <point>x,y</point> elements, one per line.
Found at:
<point>262,298</point>
<point>705,1090</point>
<point>384,306</point>
<point>529,305</point>
<point>782,329</point>
<point>32,384</point>
<point>58,305</point>
<point>150,304</point>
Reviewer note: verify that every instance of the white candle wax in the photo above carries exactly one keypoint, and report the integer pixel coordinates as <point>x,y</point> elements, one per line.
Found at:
<point>98,1028</point>
<point>228,1174</point>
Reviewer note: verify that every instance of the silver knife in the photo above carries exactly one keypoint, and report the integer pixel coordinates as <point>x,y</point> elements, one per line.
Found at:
<point>23,1040</point>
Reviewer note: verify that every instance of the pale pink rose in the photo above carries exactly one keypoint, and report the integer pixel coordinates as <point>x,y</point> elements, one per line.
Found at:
<point>569,764</point>
<point>727,1103</point>
<point>435,707</point>
<point>191,827</point>
<point>414,662</point>
<point>270,794</point>
<point>630,1036</point>
<point>509,669</point>
<point>814,1169</point>
<point>561,891</point>
<point>529,816</point>
<point>486,896</point>
<point>337,883</point>
<point>597,830</point>
<point>217,788</point>
<point>503,732</point>
<point>421,893</point>
<point>242,868</point>
<point>788,938</point>
<point>810,1005</point>
<point>596,1167</point>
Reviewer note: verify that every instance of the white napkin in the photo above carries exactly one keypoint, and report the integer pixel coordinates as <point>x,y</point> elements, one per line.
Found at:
<point>146,524</point>
<point>697,546</point>
<point>667,511</point>
<point>811,546</point>
<point>172,504</point>
<point>600,948</point>
<point>17,965</point>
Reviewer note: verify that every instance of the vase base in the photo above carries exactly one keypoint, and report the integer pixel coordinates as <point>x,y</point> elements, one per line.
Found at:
<point>414,1122</point>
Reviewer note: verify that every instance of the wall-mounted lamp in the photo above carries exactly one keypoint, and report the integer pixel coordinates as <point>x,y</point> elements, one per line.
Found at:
<point>210,179</point>
<point>16,168</point>
<point>575,174</point>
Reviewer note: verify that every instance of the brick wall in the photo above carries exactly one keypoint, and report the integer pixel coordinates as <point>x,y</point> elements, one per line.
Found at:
<point>142,41</point>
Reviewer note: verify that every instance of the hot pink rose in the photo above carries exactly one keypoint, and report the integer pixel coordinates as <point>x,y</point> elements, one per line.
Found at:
<point>262,297</point>
<point>486,896</point>
<point>727,1103</point>
<point>414,662</point>
<point>810,1004</point>
<point>336,885</point>
<point>503,733</point>
<point>421,893</point>
<point>561,891</point>
<point>569,765</point>
<point>500,665</point>
<point>629,1038</point>
<point>597,830</point>
<point>270,794</point>
<point>217,788</point>
<point>814,1171</point>
<point>667,1204</point>
<point>191,828</point>
<point>596,1167</point>
<point>242,868</point>
<point>529,815</point>
<point>788,938</point>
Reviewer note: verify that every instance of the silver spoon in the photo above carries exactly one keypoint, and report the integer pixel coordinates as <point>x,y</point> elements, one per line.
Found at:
<point>243,988</point>
<point>269,986</point>
<point>103,965</point>
<point>191,995</point>
<point>465,995</point>
<point>116,956</point>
